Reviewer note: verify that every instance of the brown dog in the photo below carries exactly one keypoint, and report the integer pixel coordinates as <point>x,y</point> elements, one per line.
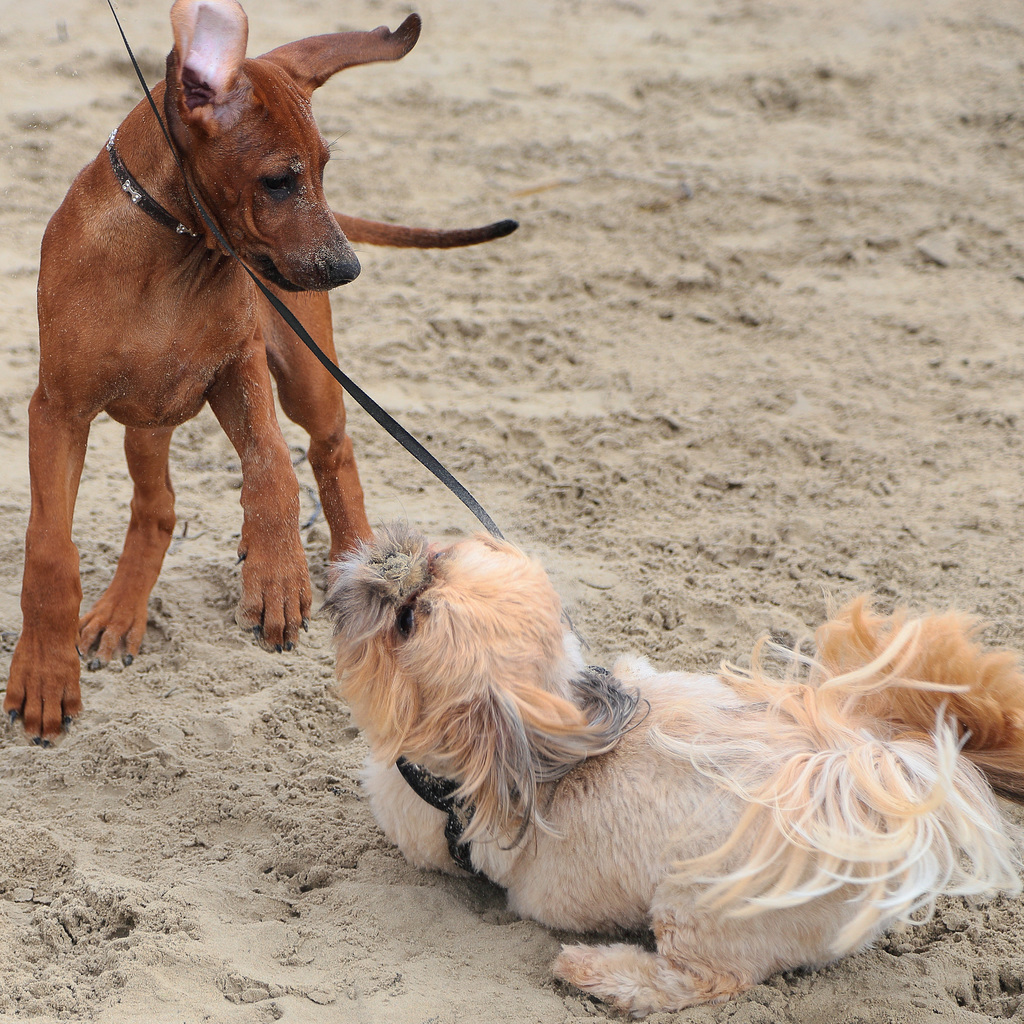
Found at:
<point>147,318</point>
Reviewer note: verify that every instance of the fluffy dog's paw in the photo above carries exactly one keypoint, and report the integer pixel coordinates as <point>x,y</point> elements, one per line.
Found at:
<point>631,979</point>
<point>587,968</point>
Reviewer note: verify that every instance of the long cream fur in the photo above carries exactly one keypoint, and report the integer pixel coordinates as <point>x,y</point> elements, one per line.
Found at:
<point>757,820</point>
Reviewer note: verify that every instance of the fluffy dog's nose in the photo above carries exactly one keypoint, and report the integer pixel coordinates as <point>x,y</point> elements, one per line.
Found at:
<point>342,269</point>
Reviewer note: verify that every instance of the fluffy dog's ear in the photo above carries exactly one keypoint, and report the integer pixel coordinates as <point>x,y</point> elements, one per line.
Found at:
<point>503,744</point>
<point>310,62</point>
<point>210,37</point>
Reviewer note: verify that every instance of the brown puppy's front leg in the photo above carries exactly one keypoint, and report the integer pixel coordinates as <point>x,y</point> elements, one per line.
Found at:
<point>116,624</point>
<point>276,592</point>
<point>313,399</point>
<point>43,685</point>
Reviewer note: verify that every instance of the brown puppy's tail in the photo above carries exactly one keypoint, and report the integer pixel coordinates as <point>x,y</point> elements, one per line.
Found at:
<point>372,232</point>
<point>982,690</point>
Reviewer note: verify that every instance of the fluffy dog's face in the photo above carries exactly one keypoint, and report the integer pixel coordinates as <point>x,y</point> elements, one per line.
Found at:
<point>454,657</point>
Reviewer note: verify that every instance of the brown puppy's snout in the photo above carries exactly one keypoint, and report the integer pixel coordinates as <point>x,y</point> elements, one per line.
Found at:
<point>317,273</point>
<point>342,268</point>
<point>328,264</point>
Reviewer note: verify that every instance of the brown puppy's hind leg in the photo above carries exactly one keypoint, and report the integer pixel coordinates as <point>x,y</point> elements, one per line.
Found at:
<point>311,398</point>
<point>116,624</point>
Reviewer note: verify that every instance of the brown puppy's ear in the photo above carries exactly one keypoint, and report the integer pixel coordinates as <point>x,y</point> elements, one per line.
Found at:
<point>310,62</point>
<point>209,48</point>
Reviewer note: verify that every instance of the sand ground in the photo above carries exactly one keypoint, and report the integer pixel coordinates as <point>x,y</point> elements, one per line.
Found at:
<point>756,343</point>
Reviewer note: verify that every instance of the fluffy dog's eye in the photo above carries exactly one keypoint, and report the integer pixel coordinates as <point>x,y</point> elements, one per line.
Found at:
<point>280,186</point>
<point>406,621</point>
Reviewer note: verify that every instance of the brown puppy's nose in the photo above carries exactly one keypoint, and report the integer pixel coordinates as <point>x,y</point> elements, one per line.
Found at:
<point>342,270</point>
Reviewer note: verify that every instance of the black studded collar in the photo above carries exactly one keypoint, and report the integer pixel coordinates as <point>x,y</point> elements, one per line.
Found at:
<point>139,196</point>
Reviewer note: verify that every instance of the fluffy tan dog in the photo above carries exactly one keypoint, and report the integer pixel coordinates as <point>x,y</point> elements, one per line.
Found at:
<point>754,820</point>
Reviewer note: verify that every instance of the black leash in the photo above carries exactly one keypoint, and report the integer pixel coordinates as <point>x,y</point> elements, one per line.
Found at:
<point>375,411</point>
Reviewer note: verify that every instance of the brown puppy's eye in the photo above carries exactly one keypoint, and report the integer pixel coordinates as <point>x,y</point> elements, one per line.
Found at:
<point>280,186</point>
<point>406,621</point>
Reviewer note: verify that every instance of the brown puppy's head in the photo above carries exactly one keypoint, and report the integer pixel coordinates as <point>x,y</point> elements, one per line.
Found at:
<point>454,657</point>
<point>252,149</point>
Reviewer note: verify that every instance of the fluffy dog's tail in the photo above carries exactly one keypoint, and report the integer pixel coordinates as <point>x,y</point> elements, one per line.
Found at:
<point>983,691</point>
<point>850,768</point>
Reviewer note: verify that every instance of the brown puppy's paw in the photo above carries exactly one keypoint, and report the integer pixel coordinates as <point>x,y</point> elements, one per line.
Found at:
<point>43,687</point>
<point>114,627</point>
<point>276,601</point>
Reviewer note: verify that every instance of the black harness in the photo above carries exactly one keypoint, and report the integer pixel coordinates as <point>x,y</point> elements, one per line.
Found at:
<point>439,793</point>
